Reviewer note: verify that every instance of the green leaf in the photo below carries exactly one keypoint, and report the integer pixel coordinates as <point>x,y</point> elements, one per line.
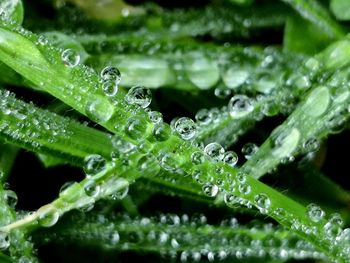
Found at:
<point>294,36</point>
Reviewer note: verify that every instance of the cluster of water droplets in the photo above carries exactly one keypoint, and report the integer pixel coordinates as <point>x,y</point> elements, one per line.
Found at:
<point>191,238</point>
<point>24,122</point>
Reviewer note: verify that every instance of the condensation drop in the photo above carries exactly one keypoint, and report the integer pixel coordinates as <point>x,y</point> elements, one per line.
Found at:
<point>48,215</point>
<point>111,74</point>
<point>4,240</point>
<point>262,202</point>
<point>285,142</point>
<point>110,88</point>
<point>70,58</point>
<point>234,78</point>
<point>10,198</point>
<point>315,212</point>
<point>197,157</point>
<point>203,117</point>
<point>139,95</point>
<point>317,102</point>
<point>210,189</point>
<point>91,188</point>
<point>215,151</point>
<point>230,158</point>
<point>186,128</point>
<point>202,72</point>
<point>249,149</point>
<point>94,164</point>
<point>239,106</point>
<point>99,109</point>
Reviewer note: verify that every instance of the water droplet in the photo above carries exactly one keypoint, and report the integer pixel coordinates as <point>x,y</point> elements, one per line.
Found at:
<point>148,164</point>
<point>315,212</point>
<point>99,109</point>
<point>155,116</point>
<point>230,158</point>
<point>284,141</point>
<point>114,238</point>
<point>48,215</point>
<point>161,132</point>
<point>222,92</point>
<point>42,40</point>
<point>174,243</point>
<point>230,200</point>
<point>311,145</point>
<point>94,164</point>
<point>140,96</point>
<point>202,72</point>
<point>4,240</point>
<point>197,157</point>
<point>336,219</point>
<point>115,187</point>
<point>122,146</point>
<point>168,162</point>
<point>240,105</point>
<point>70,58</point>
<point>210,189</point>
<point>110,88</point>
<point>249,149</point>
<point>317,102</point>
<point>262,202</point>
<point>71,191</point>
<point>234,78</point>
<point>203,117</point>
<point>10,198</point>
<point>111,74</point>
<point>136,128</point>
<point>91,188</point>
<point>186,128</point>
<point>215,151</point>
<point>244,188</point>
<point>345,235</point>
<point>199,176</point>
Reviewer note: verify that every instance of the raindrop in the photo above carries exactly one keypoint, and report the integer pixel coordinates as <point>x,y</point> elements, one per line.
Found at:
<point>244,188</point>
<point>315,213</point>
<point>110,88</point>
<point>10,198</point>
<point>4,240</point>
<point>230,158</point>
<point>148,164</point>
<point>48,215</point>
<point>91,188</point>
<point>70,58</point>
<point>215,151</point>
<point>210,189</point>
<point>99,109</point>
<point>203,117</point>
<point>155,116</point>
<point>234,78</point>
<point>240,105</point>
<point>186,128</point>
<point>94,164</point>
<point>197,157</point>
<point>284,141</point>
<point>161,132</point>
<point>311,145</point>
<point>140,96</point>
<point>111,74</point>
<point>317,102</point>
<point>262,202</point>
<point>136,128</point>
<point>249,149</point>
